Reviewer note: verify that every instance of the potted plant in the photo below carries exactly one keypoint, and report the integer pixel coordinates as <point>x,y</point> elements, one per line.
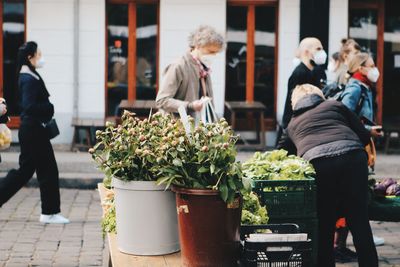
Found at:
<point>146,222</point>
<point>200,165</point>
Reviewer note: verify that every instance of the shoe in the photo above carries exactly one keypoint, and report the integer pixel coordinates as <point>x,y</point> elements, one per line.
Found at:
<point>53,218</point>
<point>341,256</point>
<point>378,241</point>
<point>348,252</point>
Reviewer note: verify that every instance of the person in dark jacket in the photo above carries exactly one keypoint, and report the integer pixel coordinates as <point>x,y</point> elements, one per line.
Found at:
<point>312,56</point>
<point>36,150</point>
<point>332,138</point>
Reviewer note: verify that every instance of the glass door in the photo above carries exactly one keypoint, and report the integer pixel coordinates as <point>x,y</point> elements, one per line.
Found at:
<point>391,66</point>
<point>365,26</point>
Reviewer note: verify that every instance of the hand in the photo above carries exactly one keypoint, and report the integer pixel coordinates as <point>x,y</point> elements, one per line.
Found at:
<point>376,131</point>
<point>197,105</point>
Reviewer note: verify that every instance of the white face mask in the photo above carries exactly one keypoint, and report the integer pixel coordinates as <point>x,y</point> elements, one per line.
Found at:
<point>320,57</point>
<point>296,61</point>
<point>373,75</point>
<point>40,63</point>
<point>208,59</point>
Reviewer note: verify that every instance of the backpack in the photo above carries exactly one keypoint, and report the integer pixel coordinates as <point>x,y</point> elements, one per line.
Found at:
<point>333,91</point>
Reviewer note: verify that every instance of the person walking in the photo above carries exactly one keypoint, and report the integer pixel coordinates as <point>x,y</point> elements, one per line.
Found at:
<point>332,138</point>
<point>37,153</point>
<point>188,79</point>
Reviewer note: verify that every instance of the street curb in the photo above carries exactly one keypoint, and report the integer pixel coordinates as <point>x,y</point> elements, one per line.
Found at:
<point>68,182</point>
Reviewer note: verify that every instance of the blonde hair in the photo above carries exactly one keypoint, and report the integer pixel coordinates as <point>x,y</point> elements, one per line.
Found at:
<point>305,89</point>
<point>346,48</point>
<point>205,35</point>
<point>357,61</point>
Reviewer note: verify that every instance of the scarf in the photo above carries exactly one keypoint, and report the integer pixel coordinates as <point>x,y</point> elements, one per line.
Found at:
<point>204,71</point>
<point>362,78</point>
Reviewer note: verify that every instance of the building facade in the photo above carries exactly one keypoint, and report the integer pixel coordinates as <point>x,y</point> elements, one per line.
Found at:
<point>99,52</point>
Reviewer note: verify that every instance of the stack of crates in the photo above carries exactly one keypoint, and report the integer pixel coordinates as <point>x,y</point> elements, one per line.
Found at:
<point>291,201</point>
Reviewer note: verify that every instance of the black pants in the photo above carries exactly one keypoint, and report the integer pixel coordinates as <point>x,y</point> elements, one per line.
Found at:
<point>342,182</point>
<point>36,155</point>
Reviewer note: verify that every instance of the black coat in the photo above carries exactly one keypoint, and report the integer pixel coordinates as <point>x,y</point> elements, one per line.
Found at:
<point>322,128</point>
<point>35,104</point>
<point>301,75</point>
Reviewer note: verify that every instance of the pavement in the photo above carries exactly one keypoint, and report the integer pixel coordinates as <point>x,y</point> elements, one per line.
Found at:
<point>26,242</point>
<point>78,170</point>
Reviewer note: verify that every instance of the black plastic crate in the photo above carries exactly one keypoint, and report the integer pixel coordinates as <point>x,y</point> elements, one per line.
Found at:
<point>306,225</point>
<point>287,198</point>
<point>262,254</point>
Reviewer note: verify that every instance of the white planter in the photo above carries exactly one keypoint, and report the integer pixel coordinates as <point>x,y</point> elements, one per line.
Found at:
<point>146,218</point>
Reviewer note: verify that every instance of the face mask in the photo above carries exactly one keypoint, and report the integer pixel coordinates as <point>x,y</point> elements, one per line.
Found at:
<point>296,61</point>
<point>40,63</point>
<point>320,57</point>
<point>373,75</point>
<point>207,59</point>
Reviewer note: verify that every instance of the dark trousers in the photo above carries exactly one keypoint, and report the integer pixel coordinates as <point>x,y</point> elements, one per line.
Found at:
<point>36,155</point>
<point>342,183</point>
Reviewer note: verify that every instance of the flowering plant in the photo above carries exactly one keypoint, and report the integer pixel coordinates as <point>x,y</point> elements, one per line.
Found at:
<point>128,151</point>
<point>202,158</point>
<point>159,148</point>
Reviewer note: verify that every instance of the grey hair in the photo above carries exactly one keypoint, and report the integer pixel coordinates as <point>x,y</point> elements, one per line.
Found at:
<point>205,35</point>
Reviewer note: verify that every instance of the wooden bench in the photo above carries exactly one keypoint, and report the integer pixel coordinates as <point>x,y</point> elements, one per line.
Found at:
<point>89,126</point>
<point>119,259</point>
<point>140,107</point>
<point>257,108</point>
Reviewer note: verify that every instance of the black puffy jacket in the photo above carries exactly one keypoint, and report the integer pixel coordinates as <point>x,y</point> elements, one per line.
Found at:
<point>324,128</point>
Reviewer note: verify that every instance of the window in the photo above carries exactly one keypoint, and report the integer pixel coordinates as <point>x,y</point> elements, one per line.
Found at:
<point>251,52</point>
<point>12,19</point>
<point>132,52</point>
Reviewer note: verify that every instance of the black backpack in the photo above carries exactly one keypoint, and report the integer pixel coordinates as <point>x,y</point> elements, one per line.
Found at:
<point>333,90</point>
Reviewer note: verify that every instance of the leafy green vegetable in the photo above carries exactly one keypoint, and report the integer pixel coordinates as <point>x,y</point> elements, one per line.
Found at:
<point>277,165</point>
<point>253,213</point>
<point>108,222</point>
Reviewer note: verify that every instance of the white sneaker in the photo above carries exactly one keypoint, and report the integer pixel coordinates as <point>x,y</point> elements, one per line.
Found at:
<point>53,218</point>
<point>378,241</point>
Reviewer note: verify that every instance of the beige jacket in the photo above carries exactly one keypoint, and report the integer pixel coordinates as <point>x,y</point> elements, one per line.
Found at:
<point>181,85</point>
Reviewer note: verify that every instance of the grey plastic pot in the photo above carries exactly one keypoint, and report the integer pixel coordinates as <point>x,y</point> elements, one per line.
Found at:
<point>146,218</point>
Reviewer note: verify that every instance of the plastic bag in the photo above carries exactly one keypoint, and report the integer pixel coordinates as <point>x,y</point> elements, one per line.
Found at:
<point>5,137</point>
<point>207,113</point>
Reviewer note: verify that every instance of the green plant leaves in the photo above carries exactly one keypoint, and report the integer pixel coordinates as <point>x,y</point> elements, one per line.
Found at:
<point>223,190</point>
<point>177,162</point>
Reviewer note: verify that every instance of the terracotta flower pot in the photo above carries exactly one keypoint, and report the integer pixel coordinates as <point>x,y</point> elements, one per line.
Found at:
<point>208,228</point>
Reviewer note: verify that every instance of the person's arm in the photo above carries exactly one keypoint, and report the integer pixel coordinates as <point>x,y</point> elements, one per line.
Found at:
<point>351,95</point>
<point>30,103</point>
<point>286,143</point>
<point>169,86</point>
<point>356,125</point>
<point>294,80</point>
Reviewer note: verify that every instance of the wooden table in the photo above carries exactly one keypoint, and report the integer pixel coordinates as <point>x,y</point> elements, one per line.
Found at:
<point>119,259</point>
<point>87,125</point>
<point>256,107</point>
<point>138,106</point>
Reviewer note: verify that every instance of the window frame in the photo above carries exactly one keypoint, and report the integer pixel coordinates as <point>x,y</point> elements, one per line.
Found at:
<point>269,122</point>
<point>15,121</point>
<point>132,46</point>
